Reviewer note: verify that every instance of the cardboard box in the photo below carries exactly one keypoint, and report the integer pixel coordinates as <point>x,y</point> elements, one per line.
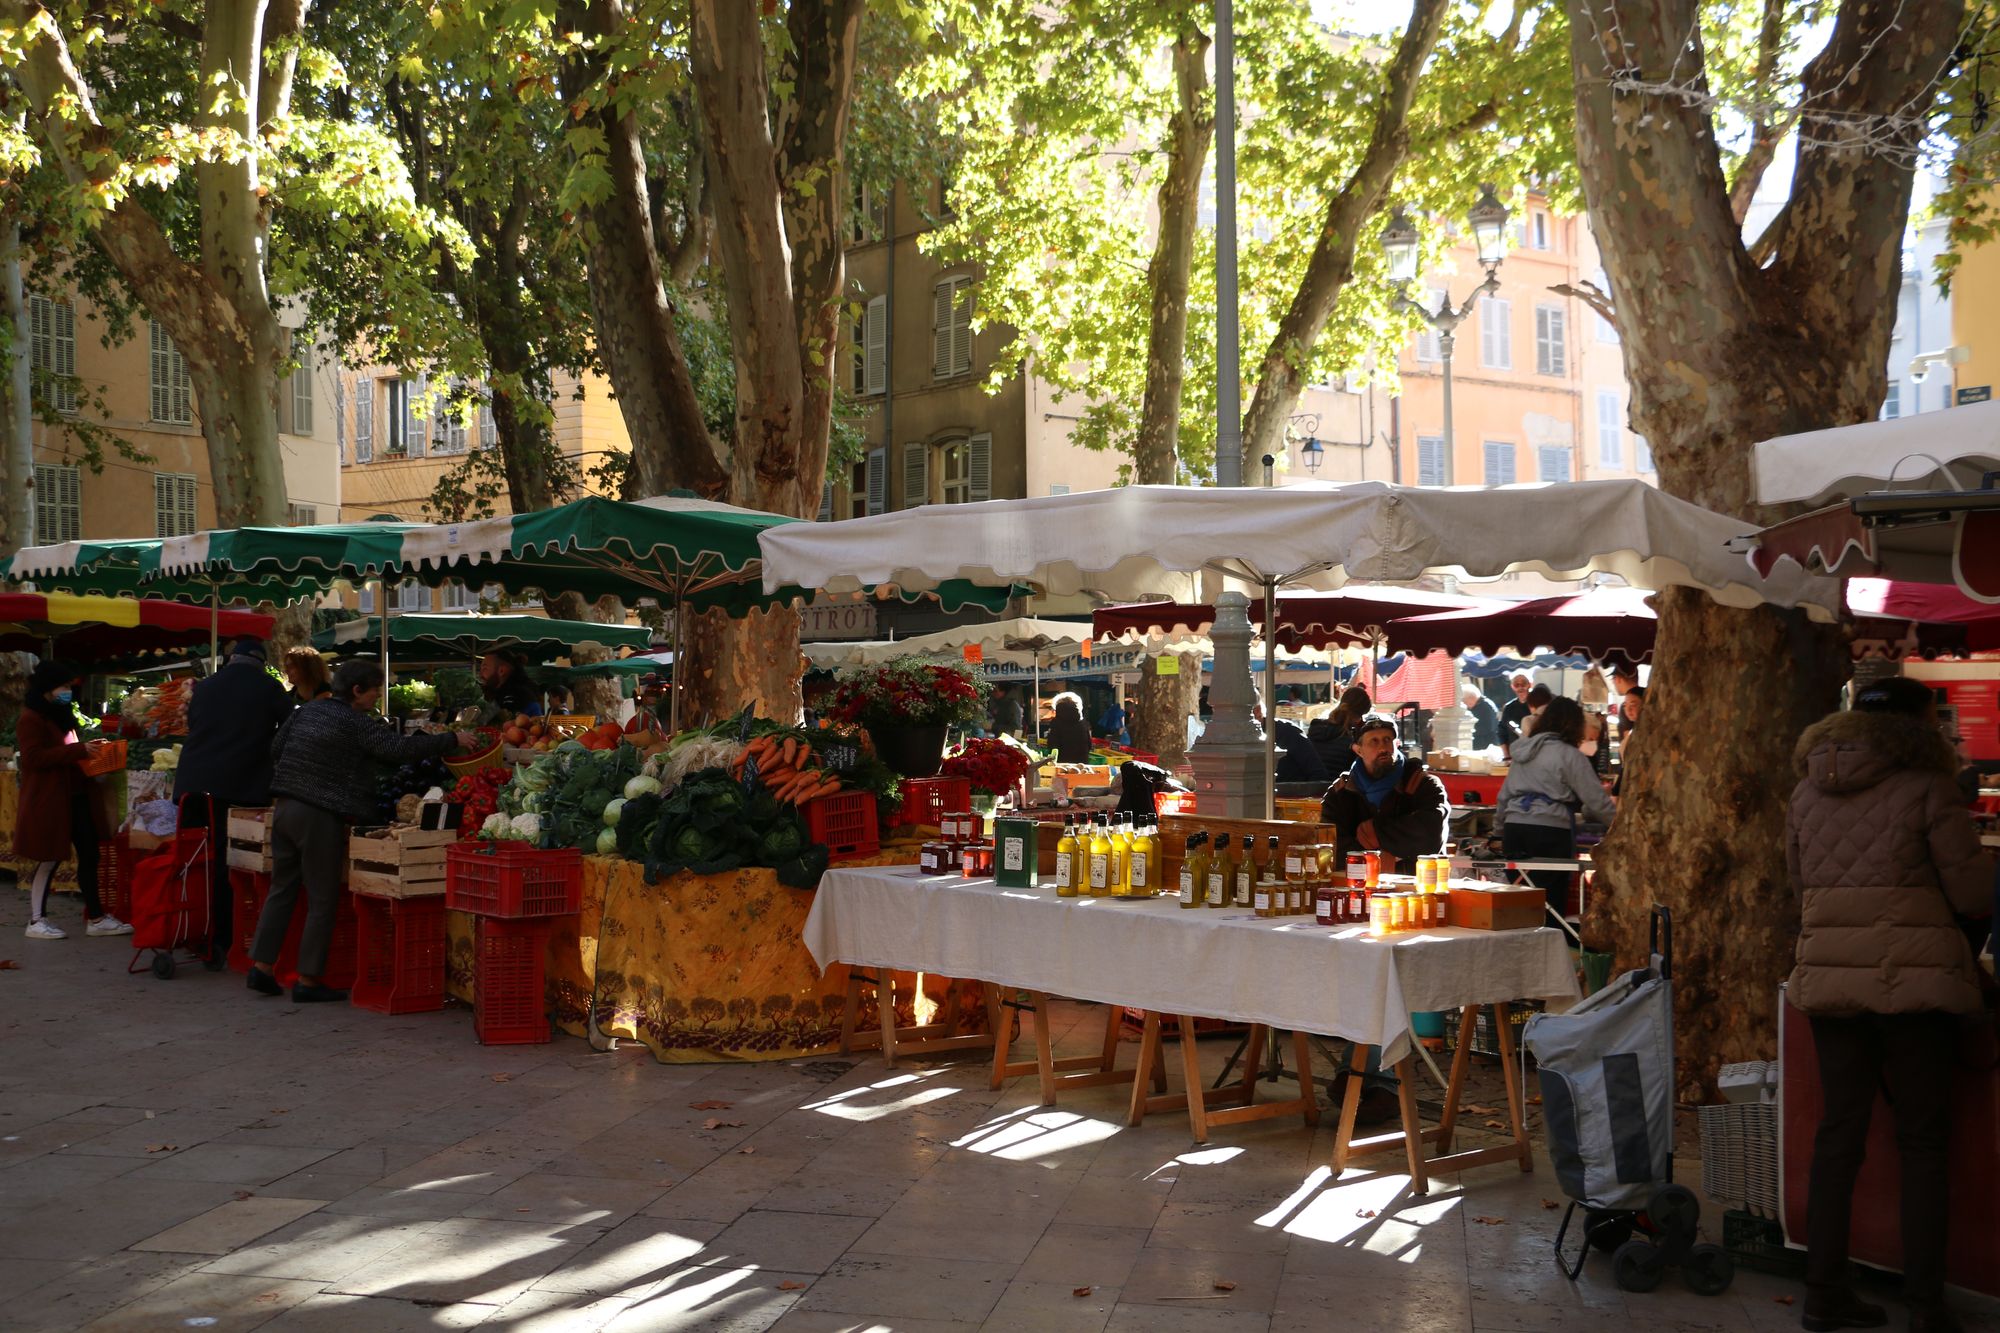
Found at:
<point>1497,907</point>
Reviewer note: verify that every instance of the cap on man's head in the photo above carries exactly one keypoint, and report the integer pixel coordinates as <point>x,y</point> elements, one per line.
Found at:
<point>1375,722</point>
<point>249,647</point>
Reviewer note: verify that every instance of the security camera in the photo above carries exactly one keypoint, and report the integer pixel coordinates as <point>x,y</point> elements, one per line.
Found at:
<point>1919,371</point>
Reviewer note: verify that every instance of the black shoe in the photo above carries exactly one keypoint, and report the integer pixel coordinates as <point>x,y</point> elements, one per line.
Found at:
<point>1379,1106</point>
<point>307,993</point>
<point>1840,1308</point>
<point>263,982</point>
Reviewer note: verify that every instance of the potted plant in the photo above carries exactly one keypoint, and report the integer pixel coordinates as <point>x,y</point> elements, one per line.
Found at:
<point>993,765</point>
<point>907,705</point>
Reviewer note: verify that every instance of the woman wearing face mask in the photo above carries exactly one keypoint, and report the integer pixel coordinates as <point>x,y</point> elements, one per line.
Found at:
<point>59,809</point>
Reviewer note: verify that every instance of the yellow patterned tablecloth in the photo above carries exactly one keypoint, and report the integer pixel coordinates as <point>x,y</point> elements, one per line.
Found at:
<point>700,968</point>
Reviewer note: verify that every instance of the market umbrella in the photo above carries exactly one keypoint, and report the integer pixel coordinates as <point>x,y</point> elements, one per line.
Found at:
<point>1147,541</point>
<point>1928,606</point>
<point>1349,617</point>
<point>433,637</point>
<point>1944,537</point>
<point>91,629</point>
<point>1933,451</point>
<point>1023,640</point>
<point>1600,623</point>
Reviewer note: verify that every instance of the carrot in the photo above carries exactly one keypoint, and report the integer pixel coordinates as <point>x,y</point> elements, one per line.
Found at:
<point>790,791</point>
<point>793,749</point>
<point>816,789</point>
<point>776,775</point>
<point>760,748</point>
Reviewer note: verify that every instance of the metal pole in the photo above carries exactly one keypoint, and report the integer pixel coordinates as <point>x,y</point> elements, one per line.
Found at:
<point>214,627</point>
<point>20,427</point>
<point>1270,698</point>
<point>680,659</point>
<point>1228,371</point>
<point>382,612</point>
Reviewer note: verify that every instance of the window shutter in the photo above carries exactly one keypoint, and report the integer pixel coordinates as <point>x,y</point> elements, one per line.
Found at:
<point>1554,463</point>
<point>1642,454</point>
<point>875,346</point>
<point>916,474</point>
<point>173,504</point>
<point>364,419</point>
<point>979,467</point>
<point>1430,460</point>
<point>1499,463</point>
<point>1551,339</point>
<point>488,432</point>
<point>58,503</point>
<point>941,335</point>
<point>961,328</point>
<point>857,357</point>
<point>826,502</point>
<point>52,348</point>
<point>302,393</point>
<point>413,425</point>
<point>1610,430</point>
<point>1495,350</point>
<point>878,481</point>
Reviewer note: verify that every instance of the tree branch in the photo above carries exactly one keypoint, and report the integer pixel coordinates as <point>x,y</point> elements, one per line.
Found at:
<point>1764,134</point>
<point>284,22</point>
<point>1593,296</point>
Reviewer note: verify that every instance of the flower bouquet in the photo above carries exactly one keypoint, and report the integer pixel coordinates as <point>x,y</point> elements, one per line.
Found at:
<point>908,692</point>
<point>994,767</point>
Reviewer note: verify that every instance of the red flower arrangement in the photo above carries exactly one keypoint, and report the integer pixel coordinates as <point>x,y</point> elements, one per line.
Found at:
<point>992,766</point>
<point>908,692</point>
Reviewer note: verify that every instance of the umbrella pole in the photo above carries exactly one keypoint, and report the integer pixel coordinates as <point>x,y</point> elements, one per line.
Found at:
<point>680,657</point>
<point>1038,698</point>
<point>1270,698</point>
<point>382,609</point>
<point>214,627</point>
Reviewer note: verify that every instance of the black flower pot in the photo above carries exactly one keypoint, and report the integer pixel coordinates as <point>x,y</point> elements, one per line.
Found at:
<point>914,752</point>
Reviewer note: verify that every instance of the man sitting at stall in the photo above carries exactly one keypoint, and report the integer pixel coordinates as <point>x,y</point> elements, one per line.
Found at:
<point>503,680</point>
<point>1388,802</point>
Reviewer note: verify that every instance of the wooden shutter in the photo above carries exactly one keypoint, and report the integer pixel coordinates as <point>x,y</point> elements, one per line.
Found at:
<point>875,346</point>
<point>364,419</point>
<point>302,393</point>
<point>857,357</point>
<point>58,503</point>
<point>961,328</point>
<point>916,474</point>
<point>826,502</point>
<point>173,504</point>
<point>941,334</point>
<point>979,468</point>
<point>878,481</point>
<point>413,425</point>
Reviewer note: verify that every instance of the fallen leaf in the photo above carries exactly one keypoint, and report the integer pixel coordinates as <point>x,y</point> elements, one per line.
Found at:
<point>1364,1212</point>
<point>712,1123</point>
<point>9,965</point>
<point>1221,1285</point>
<point>1491,1221</point>
<point>241,1195</point>
<point>1471,1109</point>
<point>710,1106</point>
<point>503,1078</point>
<point>1550,1204</point>
<point>746,1151</point>
<point>281,1110</point>
<point>789,1285</point>
<point>1535,1100</point>
<point>1496,1124</point>
<point>161,1147</point>
<point>1081,1292</point>
<point>1782,1300</point>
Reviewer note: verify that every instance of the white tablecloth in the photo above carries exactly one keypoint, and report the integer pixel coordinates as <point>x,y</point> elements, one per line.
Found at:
<point>1289,972</point>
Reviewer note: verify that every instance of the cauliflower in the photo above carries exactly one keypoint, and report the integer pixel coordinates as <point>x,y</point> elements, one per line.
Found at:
<point>528,828</point>
<point>496,826</point>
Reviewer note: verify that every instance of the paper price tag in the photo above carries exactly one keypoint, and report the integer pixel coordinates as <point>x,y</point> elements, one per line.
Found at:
<point>1167,666</point>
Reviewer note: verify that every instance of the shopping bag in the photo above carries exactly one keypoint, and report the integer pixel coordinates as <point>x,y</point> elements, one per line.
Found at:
<point>170,892</point>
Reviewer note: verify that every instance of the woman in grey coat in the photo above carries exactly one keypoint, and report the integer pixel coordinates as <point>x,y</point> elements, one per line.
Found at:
<point>1549,783</point>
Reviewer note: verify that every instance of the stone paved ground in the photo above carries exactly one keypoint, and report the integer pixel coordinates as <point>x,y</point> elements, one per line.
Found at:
<point>182,1155</point>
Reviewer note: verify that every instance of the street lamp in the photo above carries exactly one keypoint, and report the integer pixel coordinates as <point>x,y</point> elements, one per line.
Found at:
<point>1400,244</point>
<point>1304,426</point>
<point>1452,726</point>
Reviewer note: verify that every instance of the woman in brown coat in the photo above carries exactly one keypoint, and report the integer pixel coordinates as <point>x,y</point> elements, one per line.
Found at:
<point>59,807</point>
<point>1885,861</point>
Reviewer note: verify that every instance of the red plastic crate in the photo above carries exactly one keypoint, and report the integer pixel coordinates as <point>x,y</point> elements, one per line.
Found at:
<point>844,824</point>
<point>114,876</point>
<point>929,800</point>
<point>512,882</point>
<point>340,950</point>
<point>399,967</point>
<point>250,888</point>
<point>508,1005</point>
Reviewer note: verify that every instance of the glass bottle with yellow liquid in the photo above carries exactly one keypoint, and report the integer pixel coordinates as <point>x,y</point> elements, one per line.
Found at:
<point>1221,873</point>
<point>1119,878</point>
<point>1098,859</point>
<point>1066,858</point>
<point>1194,871</point>
<point>1145,860</point>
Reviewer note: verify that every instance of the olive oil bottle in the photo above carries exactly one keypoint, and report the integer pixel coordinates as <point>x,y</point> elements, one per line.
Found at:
<point>1066,858</point>
<point>1145,860</point>
<point>1100,858</point>
<point>1194,871</point>
<point>1221,873</point>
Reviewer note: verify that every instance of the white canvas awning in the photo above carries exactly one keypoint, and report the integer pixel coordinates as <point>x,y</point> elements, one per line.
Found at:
<point>1149,541</point>
<point>1934,451</point>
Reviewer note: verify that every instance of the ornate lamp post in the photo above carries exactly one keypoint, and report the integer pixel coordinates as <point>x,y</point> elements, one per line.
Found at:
<point>1400,242</point>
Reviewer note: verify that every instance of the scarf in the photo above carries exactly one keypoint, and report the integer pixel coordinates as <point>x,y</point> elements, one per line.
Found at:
<point>1377,789</point>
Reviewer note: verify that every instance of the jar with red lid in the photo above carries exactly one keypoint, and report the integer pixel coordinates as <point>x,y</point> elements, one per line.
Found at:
<point>976,860</point>
<point>1329,904</point>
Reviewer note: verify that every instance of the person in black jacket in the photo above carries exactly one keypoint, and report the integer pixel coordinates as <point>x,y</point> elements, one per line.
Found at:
<point>226,761</point>
<point>1068,732</point>
<point>1486,726</point>
<point>503,679</point>
<point>1518,709</point>
<point>1387,802</point>
<point>325,762</point>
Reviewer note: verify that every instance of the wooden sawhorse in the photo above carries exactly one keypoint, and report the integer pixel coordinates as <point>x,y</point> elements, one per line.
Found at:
<point>1238,1101</point>
<point>917,1039</point>
<point>1073,1071</point>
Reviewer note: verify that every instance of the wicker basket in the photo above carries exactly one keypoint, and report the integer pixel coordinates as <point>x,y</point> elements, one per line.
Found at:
<point>1739,1156</point>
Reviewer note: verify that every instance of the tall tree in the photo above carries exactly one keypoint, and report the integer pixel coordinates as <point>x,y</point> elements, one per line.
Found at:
<point>167,139</point>
<point>773,89</point>
<point>1727,343</point>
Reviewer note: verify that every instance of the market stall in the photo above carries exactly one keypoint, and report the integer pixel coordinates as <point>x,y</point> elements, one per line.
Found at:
<point>449,638</point>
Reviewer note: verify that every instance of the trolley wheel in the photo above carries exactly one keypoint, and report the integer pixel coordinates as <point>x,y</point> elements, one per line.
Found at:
<point>1674,1213</point>
<point>163,966</point>
<point>214,962</point>
<point>1708,1270</point>
<point>1607,1230</point>
<point>1638,1265</point>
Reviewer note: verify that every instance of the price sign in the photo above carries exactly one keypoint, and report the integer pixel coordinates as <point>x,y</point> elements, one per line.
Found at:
<point>840,758</point>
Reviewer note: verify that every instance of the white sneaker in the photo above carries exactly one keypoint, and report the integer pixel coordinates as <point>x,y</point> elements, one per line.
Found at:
<point>107,925</point>
<point>43,929</point>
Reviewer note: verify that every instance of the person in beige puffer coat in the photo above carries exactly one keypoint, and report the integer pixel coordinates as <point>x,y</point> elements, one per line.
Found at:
<point>1885,860</point>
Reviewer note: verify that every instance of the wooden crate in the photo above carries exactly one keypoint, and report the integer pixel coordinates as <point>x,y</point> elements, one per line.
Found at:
<point>398,861</point>
<point>250,838</point>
